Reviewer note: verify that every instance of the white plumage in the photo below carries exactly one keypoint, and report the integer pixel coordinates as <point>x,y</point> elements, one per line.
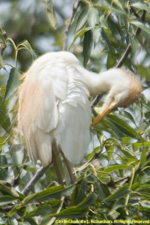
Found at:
<point>54,104</point>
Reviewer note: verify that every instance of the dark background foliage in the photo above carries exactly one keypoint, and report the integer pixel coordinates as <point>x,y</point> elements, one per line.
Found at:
<point>113,180</point>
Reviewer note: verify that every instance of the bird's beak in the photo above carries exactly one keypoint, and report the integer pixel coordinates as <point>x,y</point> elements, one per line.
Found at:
<point>105,110</point>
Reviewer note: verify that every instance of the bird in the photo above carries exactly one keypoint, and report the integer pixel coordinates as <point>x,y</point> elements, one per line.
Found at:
<point>54,112</point>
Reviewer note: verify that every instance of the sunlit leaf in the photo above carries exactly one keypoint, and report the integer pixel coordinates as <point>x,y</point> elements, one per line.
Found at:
<point>141,6</point>
<point>93,17</point>
<point>117,167</point>
<point>51,14</point>
<point>82,18</point>
<point>96,35</point>
<point>141,25</point>
<point>138,145</point>
<point>80,34</point>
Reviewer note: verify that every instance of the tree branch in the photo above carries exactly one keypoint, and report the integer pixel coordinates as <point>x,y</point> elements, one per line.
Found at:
<point>33,181</point>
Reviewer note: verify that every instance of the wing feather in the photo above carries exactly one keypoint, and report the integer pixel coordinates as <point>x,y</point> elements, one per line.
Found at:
<point>73,130</point>
<point>37,116</point>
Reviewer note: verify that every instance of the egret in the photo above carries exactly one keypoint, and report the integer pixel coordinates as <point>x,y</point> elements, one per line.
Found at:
<point>54,109</point>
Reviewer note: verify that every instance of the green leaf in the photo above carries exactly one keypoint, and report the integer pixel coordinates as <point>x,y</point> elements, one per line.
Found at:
<point>103,21</point>
<point>134,44</point>
<point>106,39</point>
<point>79,34</point>
<point>4,187</point>
<point>118,12</point>
<point>88,201</point>
<point>93,17</point>
<point>141,25</point>
<point>48,194</point>
<point>101,187</point>
<point>113,27</point>
<point>110,61</point>
<point>13,83</point>
<point>2,36</point>
<point>4,118</point>
<point>51,14</point>
<point>141,6</point>
<point>102,190</point>
<point>96,35</point>
<point>143,156</point>
<point>118,4</point>
<point>26,45</point>
<point>144,71</point>
<point>127,153</point>
<point>6,199</point>
<point>1,62</point>
<point>123,126</point>
<point>82,18</point>
<point>120,193</point>
<point>72,212</point>
<point>3,79</point>
<point>117,167</point>
<point>117,204</point>
<point>87,46</point>
<point>78,194</point>
<point>138,145</point>
<point>47,208</point>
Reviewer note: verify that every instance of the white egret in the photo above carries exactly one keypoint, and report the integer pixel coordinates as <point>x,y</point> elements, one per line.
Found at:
<point>54,109</point>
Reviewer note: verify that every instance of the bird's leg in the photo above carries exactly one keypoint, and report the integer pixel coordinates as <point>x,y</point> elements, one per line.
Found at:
<point>60,180</point>
<point>68,168</point>
<point>105,110</point>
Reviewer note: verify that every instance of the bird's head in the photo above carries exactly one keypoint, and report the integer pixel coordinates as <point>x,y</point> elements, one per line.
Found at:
<point>122,93</point>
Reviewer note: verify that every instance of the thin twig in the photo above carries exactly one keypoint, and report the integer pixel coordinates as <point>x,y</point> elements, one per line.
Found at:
<point>124,56</point>
<point>67,27</point>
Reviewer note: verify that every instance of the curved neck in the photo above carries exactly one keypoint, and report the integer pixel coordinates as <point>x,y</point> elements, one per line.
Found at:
<point>97,83</point>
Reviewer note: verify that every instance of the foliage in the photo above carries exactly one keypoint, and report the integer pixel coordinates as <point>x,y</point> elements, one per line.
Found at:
<point>113,181</point>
